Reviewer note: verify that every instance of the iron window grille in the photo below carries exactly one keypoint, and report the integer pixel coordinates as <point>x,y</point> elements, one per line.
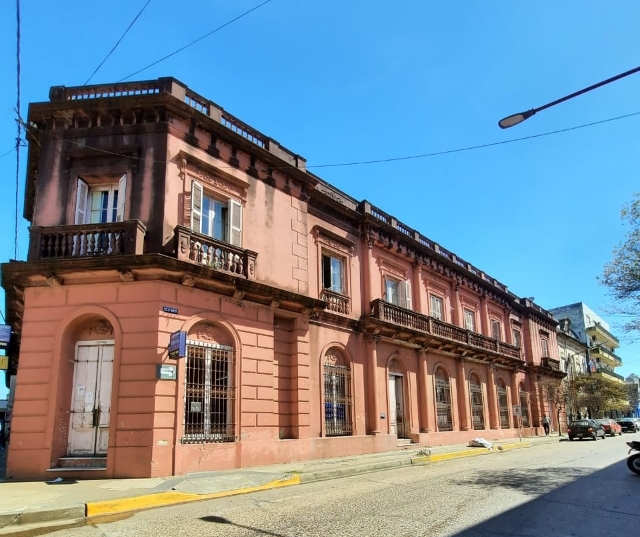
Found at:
<point>503,405</point>
<point>524,406</point>
<point>477,404</point>
<point>443,403</point>
<point>337,400</point>
<point>210,394</point>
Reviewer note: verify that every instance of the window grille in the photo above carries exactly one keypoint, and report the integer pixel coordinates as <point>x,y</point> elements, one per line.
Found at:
<point>477,403</point>
<point>337,400</point>
<point>524,405</point>
<point>443,402</point>
<point>503,405</point>
<point>209,394</point>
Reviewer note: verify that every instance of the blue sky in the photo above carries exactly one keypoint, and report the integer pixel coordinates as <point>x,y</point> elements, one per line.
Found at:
<point>340,81</point>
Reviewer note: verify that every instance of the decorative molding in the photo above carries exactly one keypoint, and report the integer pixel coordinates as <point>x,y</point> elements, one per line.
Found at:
<point>389,266</point>
<point>327,238</point>
<point>54,280</point>
<point>126,275</point>
<point>101,327</point>
<point>238,294</point>
<point>188,281</point>
<point>394,366</point>
<point>206,332</point>
<point>219,183</point>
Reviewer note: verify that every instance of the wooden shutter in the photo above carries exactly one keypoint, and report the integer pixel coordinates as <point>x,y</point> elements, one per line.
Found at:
<point>235,223</point>
<point>122,194</point>
<point>404,290</point>
<point>197,193</point>
<point>82,198</point>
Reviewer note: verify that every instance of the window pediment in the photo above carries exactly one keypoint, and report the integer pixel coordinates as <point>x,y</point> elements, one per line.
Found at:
<point>213,176</point>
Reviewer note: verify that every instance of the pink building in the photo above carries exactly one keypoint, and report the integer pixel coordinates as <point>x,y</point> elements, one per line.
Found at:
<point>314,325</point>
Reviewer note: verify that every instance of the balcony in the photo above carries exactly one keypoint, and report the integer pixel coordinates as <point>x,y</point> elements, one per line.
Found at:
<point>605,355</point>
<point>86,240</point>
<point>606,372</point>
<point>218,255</point>
<point>338,303</point>
<point>550,363</point>
<point>428,330</point>
<point>599,334</point>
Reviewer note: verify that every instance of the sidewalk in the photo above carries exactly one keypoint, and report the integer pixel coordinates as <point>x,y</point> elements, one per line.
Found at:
<point>35,504</point>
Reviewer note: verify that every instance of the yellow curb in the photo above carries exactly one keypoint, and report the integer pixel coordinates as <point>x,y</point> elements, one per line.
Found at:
<point>466,453</point>
<point>148,501</point>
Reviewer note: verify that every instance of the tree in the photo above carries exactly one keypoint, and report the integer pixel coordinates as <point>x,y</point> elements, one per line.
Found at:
<point>598,394</point>
<point>555,392</point>
<point>622,274</point>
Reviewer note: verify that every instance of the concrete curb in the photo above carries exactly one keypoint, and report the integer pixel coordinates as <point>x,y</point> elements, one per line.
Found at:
<point>417,461</point>
<point>28,517</point>
<point>163,499</point>
<point>12,522</point>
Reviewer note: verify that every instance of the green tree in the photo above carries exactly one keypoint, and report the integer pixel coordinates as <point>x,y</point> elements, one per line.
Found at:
<point>598,394</point>
<point>622,274</point>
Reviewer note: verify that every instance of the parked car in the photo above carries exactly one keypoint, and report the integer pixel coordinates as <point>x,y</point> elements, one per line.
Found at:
<point>629,425</point>
<point>585,429</point>
<point>611,427</point>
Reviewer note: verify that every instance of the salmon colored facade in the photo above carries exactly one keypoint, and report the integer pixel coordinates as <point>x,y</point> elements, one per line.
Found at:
<point>313,325</point>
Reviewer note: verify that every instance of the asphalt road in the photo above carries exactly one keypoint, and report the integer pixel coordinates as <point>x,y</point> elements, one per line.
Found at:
<point>569,488</point>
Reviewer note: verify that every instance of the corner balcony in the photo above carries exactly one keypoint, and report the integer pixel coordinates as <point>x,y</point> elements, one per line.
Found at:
<point>402,324</point>
<point>609,373</point>
<point>550,363</point>
<point>218,255</point>
<point>605,355</point>
<point>602,335</point>
<point>86,240</point>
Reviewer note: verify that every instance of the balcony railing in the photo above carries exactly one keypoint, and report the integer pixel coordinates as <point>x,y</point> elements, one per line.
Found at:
<point>388,312</point>
<point>550,363</point>
<point>603,353</point>
<point>86,240</point>
<point>215,254</point>
<point>606,371</point>
<point>336,302</point>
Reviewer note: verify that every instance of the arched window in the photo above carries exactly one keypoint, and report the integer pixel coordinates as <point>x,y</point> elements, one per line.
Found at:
<point>477,403</point>
<point>503,405</point>
<point>443,400</point>
<point>210,391</point>
<point>524,406</point>
<point>337,395</point>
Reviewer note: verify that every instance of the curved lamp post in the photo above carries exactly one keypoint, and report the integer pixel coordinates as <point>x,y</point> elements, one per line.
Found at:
<point>514,119</point>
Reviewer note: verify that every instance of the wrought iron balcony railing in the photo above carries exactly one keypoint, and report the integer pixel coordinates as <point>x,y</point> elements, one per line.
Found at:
<point>416,321</point>
<point>218,255</point>
<point>86,240</point>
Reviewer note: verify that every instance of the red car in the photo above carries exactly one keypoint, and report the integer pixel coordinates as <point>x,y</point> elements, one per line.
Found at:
<point>611,427</point>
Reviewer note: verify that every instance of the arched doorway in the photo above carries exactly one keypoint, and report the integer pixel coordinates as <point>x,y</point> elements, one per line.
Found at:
<point>503,404</point>
<point>397,418</point>
<point>443,400</point>
<point>90,413</point>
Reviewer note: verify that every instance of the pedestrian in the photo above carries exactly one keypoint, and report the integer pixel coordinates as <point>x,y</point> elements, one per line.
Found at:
<point>545,424</point>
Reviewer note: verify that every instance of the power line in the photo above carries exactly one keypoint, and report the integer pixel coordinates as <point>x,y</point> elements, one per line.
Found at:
<point>19,124</point>
<point>394,159</point>
<point>196,41</point>
<point>118,42</point>
<point>8,152</point>
<point>470,148</point>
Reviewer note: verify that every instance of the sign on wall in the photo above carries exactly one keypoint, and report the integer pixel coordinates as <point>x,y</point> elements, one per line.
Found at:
<point>517,410</point>
<point>178,345</point>
<point>166,372</point>
<point>5,335</point>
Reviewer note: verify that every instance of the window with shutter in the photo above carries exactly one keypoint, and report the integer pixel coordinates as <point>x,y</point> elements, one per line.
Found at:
<point>333,273</point>
<point>101,203</point>
<point>470,320</point>
<point>517,338</point>
<point>436,307</point>
<point>496,330</point>
<point>221,220</point>
<point>392,291</point>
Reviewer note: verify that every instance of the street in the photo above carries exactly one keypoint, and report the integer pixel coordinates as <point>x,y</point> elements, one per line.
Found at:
<point>569,488</point>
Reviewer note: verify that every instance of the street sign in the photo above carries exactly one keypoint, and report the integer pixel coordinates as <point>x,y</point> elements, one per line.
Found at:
<point>517,410</point>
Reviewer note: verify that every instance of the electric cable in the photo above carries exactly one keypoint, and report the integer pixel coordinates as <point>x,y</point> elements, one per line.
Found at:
<point>118,42</point>
<point>196,41</point>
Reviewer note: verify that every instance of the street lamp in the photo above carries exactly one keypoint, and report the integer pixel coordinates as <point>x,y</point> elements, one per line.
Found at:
<point>514,119</point>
